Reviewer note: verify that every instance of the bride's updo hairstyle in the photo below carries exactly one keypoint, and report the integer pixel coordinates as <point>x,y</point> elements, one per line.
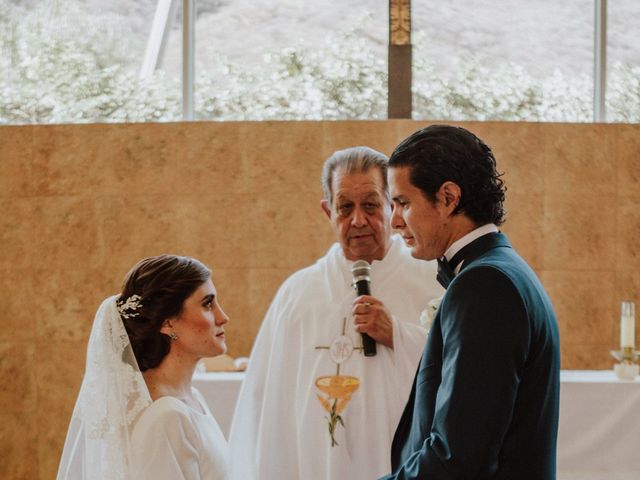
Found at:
<point>153,291</point>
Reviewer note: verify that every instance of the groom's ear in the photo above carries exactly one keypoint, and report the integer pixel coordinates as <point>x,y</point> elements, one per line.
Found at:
<point>449,194</point>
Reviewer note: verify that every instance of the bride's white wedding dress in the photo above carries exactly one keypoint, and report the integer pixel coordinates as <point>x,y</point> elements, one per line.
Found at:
<point>174,441</point>
<point>118,433</point>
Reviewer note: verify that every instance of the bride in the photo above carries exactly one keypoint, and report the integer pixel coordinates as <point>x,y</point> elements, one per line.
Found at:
<point>137,415</point>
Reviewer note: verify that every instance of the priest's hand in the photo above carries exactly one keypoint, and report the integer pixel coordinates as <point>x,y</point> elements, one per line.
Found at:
<point>370,316</point>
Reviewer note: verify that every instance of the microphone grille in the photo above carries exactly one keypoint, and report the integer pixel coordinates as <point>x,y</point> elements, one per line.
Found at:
<point>361,268</point>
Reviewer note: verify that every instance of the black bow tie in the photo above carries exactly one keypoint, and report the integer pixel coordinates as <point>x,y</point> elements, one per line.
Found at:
<point>445,272</point>
<point>467,254</point>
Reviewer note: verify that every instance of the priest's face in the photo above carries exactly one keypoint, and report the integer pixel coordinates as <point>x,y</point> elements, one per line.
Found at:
<point>359,214</point>
<point>422,223</point>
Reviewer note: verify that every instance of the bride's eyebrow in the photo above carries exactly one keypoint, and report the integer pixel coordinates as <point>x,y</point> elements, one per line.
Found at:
<point>208,298</point>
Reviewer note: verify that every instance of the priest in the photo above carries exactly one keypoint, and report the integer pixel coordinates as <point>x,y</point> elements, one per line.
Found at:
<point>313,405</point>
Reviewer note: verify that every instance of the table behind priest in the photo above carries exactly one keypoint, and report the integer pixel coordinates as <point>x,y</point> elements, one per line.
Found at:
<point>220,390</point>
<point>599,437</point>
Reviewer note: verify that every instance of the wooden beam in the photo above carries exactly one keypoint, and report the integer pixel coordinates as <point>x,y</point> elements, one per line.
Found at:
<point>399,68</point>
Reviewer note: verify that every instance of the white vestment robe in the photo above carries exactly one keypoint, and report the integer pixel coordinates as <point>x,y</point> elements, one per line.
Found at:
<point>280,428</point>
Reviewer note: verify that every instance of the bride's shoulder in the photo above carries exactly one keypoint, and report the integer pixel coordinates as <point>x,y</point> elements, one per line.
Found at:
<point>165,412</point>
<point>166,423</point>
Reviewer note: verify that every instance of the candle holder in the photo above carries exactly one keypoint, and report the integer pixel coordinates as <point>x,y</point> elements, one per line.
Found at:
<point>627,367</point>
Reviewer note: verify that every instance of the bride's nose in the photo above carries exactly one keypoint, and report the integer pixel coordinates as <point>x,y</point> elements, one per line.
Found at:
<point>221,317</point>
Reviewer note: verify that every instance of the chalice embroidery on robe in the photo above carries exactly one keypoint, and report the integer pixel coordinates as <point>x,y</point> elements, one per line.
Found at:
<point>336,390</point>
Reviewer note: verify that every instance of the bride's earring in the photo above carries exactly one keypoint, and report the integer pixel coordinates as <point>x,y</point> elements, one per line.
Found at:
<point>173,336</point>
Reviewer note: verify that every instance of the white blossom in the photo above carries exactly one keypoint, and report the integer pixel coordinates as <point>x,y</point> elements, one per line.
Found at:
<point>429,313</point>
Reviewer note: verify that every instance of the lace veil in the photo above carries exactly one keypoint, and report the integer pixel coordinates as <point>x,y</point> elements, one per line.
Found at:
<point>112,396</point>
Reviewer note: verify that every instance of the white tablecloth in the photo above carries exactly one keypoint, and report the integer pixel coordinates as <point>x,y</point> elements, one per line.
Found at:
<point>220,390</point>
<point>599,436</point>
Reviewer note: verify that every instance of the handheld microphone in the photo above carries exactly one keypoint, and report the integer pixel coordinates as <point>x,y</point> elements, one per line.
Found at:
<point>361,272</point>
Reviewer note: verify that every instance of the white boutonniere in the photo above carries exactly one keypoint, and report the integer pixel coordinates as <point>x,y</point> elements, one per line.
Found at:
<point>429,313</point>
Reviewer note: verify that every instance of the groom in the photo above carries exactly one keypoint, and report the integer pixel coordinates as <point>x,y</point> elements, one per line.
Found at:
<point>484,403</point>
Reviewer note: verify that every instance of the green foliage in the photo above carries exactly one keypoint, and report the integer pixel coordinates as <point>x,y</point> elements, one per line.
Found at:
<point>73,65</point>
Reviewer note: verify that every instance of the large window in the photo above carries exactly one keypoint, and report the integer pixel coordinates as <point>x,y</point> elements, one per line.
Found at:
<point>73,61</point>
<point>504,60</point>
<point>292,59</point>
<point>81,60</point>
<point>623,74</point>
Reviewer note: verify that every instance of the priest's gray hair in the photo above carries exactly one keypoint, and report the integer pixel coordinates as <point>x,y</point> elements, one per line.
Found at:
<point>353,160</point>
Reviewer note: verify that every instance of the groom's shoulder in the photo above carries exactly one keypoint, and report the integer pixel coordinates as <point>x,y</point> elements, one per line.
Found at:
<point>502,269</point>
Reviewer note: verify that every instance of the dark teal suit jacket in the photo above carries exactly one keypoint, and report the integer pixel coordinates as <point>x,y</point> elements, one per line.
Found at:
<point>484,403</point>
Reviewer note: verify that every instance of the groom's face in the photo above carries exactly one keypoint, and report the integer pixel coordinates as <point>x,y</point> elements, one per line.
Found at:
<point>421,222</point>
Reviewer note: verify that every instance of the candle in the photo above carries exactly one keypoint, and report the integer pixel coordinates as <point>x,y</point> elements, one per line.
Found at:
<point>628,325</point>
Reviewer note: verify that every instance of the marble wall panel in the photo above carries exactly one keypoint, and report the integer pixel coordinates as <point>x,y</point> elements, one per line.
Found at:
<point>19,378</point>
<point>288,231</point>
<point>597,357</point>
<point>627,241</point>
<point>21,305</point>
<point>68,299</point>
<point>140,159</point>
<point>213,160</point>
<point>580,160</point>
<point>282,157</point>
<point>217,226</point>
<point>67,161</point>
<point>66,232</point>
<point>579,232</point>
<point>525,226</point>
<point>520,155</point>
<point>59,366</point>
<point>16,154</point>
<point>18,232</point>
<point>585,305</point>
<point>136,226</point>
<point>404,128</point>
<point>19,444</point>
<point>379,135</point>
<point>628,286</point>
<point>627,154</point>
<point>18,404</point>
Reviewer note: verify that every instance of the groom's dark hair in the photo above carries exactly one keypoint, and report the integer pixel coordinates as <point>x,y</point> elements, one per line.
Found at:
<point>441,153</point>
<point>163,283</point>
